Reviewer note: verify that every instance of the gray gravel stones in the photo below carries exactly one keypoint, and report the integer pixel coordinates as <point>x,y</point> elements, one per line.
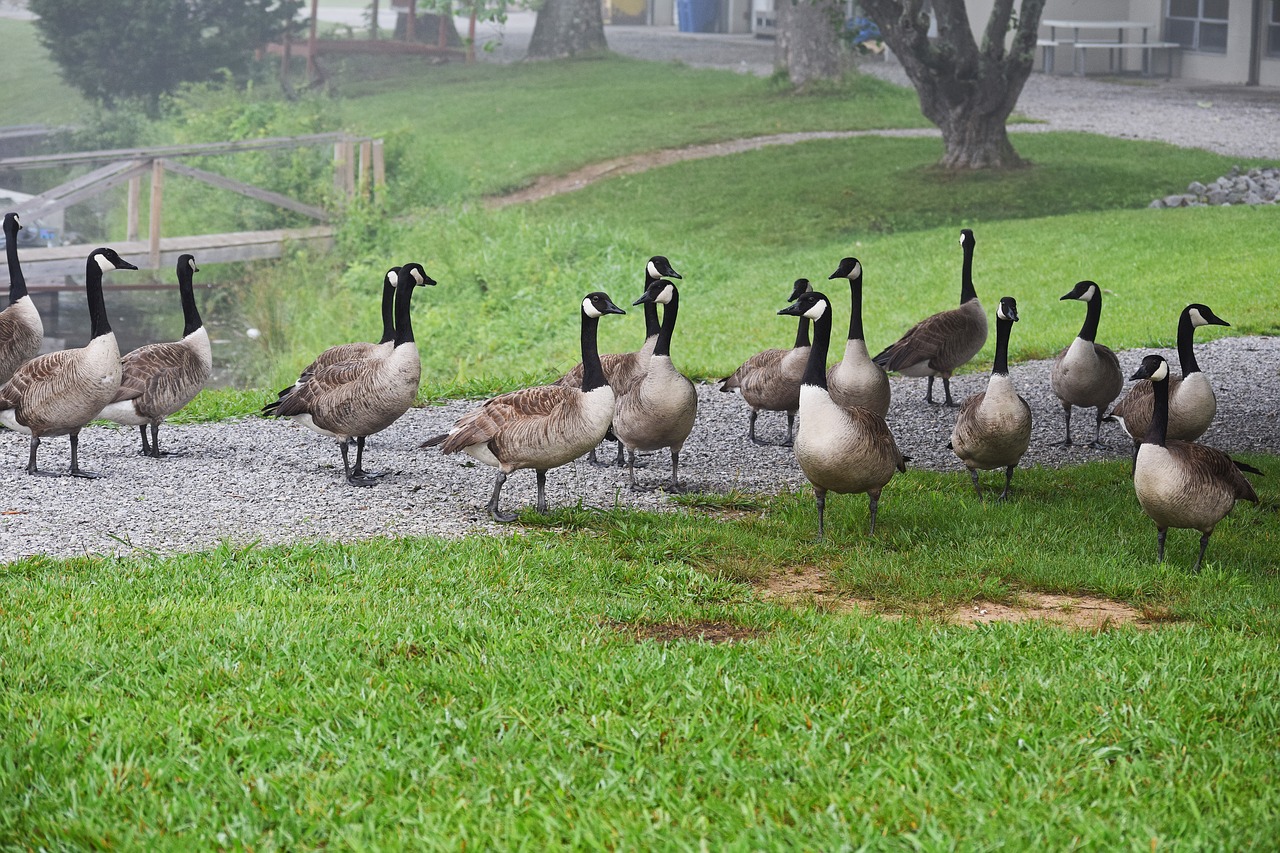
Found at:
<point>266,481</point>
<point>1256,186</point>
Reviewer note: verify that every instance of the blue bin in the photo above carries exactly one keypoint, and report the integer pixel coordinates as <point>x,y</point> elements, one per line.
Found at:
<point>697,16</point>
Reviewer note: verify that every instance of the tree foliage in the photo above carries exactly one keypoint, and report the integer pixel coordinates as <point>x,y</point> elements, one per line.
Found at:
<point>142,49</point>
<point>968,90</point>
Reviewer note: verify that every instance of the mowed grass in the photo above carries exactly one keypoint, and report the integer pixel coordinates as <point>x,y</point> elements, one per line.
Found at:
<point>494,692</point>
<point>33,91</point>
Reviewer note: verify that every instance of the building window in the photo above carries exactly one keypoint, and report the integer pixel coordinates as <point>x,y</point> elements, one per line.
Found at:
<point>1273,30</point>
<point>1199,24</point>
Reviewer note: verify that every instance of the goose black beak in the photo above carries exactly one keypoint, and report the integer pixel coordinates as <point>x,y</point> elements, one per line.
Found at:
<point>793,310</point>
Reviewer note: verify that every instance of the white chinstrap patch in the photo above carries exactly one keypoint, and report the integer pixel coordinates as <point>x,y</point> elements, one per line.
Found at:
<point>1161,373</point>
<point>819,308</point>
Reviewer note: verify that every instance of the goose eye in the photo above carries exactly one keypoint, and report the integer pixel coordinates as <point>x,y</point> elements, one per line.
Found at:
<point>589,308</point>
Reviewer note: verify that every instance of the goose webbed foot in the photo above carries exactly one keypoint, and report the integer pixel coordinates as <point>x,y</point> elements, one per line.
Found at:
<point>354,476</point>
<point>673,488</point>
<point>364,482</point>
<point>946,388</point>
<point>85,475</point>
<point>76,470</point>
<point>38,472</point>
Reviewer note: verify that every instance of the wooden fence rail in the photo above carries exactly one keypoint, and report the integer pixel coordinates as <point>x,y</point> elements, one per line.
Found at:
<point>358,171</point>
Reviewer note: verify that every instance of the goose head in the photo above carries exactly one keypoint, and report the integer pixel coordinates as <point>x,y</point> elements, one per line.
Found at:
<point>660,267</point>
<point>11,226</point>
<point>1153,367</point>
<point>109,259</point>
<point>1008,309</point>
<point>188,262</point>
<point>849,268</point>
<point>1202,315</point>
<point>416,274</point>
<point>800,288</point>
<point>811,305</point>
<point>597,304</point>
<point>1085,291</point>
<point>966,238</point>
<point>391,278</point>
<point>660,292</point>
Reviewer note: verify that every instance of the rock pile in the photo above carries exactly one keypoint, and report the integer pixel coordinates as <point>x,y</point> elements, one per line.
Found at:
<point>1256,186</point>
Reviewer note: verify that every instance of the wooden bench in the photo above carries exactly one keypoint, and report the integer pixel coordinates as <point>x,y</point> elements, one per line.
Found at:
<point>1146,47</point>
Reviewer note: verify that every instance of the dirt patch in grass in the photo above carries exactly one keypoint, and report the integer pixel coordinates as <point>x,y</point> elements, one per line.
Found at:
<point>810,586</point>
<point>702,630</point>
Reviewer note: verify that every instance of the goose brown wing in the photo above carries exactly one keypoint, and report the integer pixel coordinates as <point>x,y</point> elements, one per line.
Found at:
<point>922,342</point>
<point>161,377</point>
<point>37,381</point>
<point>485,424</point>
<point>314,386</point>
<point>619,369</point>
<point>755,368</point>
<point>1207,468</point>
<point>878,434</point>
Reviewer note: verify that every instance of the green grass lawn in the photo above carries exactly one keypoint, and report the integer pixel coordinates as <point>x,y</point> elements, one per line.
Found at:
<point>32,90</point>
<point>492,691</point>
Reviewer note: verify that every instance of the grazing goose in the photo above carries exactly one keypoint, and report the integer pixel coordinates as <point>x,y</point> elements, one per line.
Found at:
<point>1192,404</point>
<point>856,380</point>
<point>159,379</point>
<point>993,427</point>
<point>623,368</point>
<point>59,392</point>
<point>1086,374</point>
<point>658,409</point>
<point>361,349</point>
<point>542,427</point>
<point>1179,483</point>
<point>847,450</point>
<point>21,331</point>
<point>770,380</point>
<point>938,345</point>
<point>356,398</point>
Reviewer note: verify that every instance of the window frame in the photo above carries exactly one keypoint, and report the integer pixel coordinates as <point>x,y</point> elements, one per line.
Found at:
<point>1198,25</point>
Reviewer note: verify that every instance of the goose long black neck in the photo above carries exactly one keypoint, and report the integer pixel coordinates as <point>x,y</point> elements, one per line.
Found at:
<point>663,346</point>
<point>1186,345</point>
<point>1092,314</point>
<point>815,370</point>
<point>99,324</point>
<point>1158,429</point>
<point>388,312</point>
<point>652,326</point>
<point>190,313</point>
<point>855,308</point>
<point>1003,329</point>
<point>802,333</point>
<point>17,282</point>
<point>403,320</point>
<point>967,291</point>
<point>592,372</point>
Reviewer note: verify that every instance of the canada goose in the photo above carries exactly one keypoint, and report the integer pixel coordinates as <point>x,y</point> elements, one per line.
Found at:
<point>1086,374</point>
<point>993,427</point>
<point>356,398</point>
<point>159,379</point>
<point>623,368</point>
<point>938,345</point>
<point>856,380</point>
<point>1180,483</point>
<point>658,409</point>
<point>1192,404</point>
<point>770,380</point>
<point>541,427</point>
<point>21,331</point>
<point>847,450</point>
<point>361,349</point>
<point>59,392</point>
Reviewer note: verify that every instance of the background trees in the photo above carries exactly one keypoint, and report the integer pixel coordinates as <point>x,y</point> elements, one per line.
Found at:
<point>123,49</point>
<point>965,89</point>
<point>567,28</point>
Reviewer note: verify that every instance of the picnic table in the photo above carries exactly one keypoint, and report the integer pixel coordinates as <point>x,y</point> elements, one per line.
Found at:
<point>1113,39</point>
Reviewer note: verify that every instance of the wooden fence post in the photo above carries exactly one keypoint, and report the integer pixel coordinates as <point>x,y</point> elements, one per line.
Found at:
<point>366,164</point>
<point>135,200</point>
<point>379,170</point>
<point>157,194</point>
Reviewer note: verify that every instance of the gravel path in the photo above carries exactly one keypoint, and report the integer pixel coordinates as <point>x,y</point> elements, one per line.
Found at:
<point>271,481</point>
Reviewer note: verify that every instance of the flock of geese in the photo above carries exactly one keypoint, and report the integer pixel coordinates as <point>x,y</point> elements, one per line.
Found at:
<point>842,443</point>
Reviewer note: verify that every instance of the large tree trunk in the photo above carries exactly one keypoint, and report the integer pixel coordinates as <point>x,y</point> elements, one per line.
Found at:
<point>808,44</point>
<point>967,91</point>
<point>567,28</point>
